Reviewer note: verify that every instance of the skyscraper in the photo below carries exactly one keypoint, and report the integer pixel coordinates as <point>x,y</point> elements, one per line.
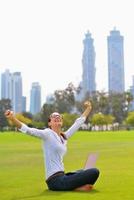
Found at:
<point>35,98</point>
<point>116,80</point>
<point>17,92</point>
<point>88,62</point>
<point>11,88</point>
<point>6,85</point>
<point>23,104</point>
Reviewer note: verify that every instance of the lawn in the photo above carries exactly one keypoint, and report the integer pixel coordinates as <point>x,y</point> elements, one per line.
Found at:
<point>22,166</point>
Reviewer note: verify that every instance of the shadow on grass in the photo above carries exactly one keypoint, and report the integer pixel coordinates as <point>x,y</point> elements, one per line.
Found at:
<point>54,193</point>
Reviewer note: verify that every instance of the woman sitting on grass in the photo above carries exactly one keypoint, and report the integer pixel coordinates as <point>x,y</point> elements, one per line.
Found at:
<point>54,146</point>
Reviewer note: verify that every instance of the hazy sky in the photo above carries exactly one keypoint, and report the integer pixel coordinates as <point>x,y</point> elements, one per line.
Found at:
<point>44,39</point>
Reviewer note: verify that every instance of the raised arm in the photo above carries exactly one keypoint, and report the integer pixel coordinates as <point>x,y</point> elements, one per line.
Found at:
<point>77,124</point>
<point>24,128</point>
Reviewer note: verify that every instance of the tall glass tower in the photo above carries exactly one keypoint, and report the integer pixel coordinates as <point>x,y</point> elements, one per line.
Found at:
<point>35,98</point>
<point>11,88</point>
<point>88,62</point>
<point>6,85</point>
<point>116,80</point>
<point>23,104</point>
<point>17,92</point>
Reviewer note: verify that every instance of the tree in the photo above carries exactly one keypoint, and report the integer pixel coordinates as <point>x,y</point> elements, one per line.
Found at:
<point>65,99</point>
<point>28,115</point>
<point>130,119</point>
<point>109,119</point>
<point>117,104</point>
<point>98,119</point>
<point>38,124</point>
<point>38,121</point>
<point>5,104</point>
<point>46,110</point>
<point>69,120</point>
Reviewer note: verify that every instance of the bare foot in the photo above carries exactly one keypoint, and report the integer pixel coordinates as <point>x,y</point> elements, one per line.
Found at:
<point>86,187</point>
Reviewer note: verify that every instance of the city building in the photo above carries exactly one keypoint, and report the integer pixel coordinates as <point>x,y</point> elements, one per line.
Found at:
<point>6,85</point>
<point>23,104</point>
<point>35,98</point>
<point>88,84</point>
<point>17,92</point>
<point>116,80</point>
<point>11,88</point>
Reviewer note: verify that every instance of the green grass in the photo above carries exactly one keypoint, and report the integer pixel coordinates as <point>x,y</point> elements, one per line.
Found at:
<point>22,166</point>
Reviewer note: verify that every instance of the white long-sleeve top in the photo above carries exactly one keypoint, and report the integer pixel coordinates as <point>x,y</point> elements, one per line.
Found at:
<point>54,146</point>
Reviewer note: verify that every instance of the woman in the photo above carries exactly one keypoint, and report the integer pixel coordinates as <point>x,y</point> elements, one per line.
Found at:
<point>54,146</point>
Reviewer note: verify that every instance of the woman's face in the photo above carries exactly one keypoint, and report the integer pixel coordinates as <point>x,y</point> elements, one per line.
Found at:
<point>56,120</point>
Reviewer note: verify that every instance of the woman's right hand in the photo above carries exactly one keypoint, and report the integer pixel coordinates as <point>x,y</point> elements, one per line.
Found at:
<point>9,114</point>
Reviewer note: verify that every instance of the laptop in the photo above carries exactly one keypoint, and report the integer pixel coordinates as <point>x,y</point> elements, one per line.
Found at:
<point>91,160</point>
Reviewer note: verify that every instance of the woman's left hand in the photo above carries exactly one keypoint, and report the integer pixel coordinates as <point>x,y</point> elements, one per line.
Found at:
<point>88,104</point>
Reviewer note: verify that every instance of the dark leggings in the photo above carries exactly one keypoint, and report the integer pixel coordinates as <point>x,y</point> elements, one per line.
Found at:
<point>73,180</point>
